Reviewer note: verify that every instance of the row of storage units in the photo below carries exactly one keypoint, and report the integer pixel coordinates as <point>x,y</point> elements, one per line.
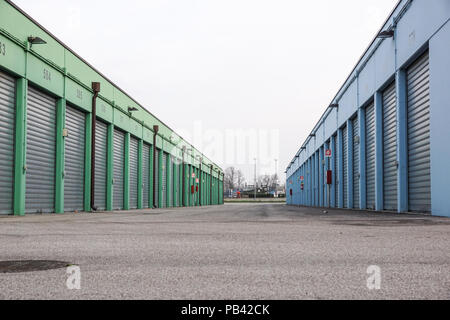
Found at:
<point>124,173</point>
<point>72,140</point>
<point>366,155</point>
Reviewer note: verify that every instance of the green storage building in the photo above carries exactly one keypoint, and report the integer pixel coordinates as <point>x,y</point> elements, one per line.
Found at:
<point>71,140</point>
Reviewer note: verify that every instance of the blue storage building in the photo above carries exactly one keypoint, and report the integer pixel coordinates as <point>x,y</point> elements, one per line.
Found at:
<point>384,138</point>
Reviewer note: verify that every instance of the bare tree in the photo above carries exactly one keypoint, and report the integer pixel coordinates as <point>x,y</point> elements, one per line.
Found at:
<point>240,179</point>
<point>268,181</point>
<point>234,179</point>
<point>230,178</point>
<point>273,181</point>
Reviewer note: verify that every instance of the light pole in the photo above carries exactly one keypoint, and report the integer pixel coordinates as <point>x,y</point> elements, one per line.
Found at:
<point>255,178</point>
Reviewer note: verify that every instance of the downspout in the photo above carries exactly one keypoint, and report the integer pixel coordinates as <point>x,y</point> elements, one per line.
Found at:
<point>184,179</point>
<point>155,133</point>
<point>96,89</point>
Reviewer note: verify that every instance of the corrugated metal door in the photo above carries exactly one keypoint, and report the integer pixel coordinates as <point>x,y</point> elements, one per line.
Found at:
<point>370,157</point>
<point>119,165</point>
<point>133,173</point>
<point>336,171</point>
<point>156,177</point>
<point>180,184</point>
<point>169,180</point>
<point>419,171</point>
<point>164,180</point>
<point>314,182</point>
<point>344,155</point>
<point>145,175</point>
<point>175,184</point>
<point>189,172</point>
<point>316,176</point>
<point>177,168</point>
<point>101,157</point>
<point>307,182</point>
<point>41,152</point>
<point>74,160</point>
<point>195,186</point>
<point>355,140</point>
<point>7,116</point>
<point>390,148</point>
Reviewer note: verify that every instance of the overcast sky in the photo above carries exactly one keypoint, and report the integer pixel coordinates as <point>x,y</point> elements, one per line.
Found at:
<point>214,68</point>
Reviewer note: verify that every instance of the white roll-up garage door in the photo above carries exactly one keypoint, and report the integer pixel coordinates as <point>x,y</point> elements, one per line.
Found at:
<point>419,178</point>
<point>156,177</point>
<point>41,152</point>
<point>345,158</point>
<point>7,117</point>
<point>164,180</point>
<point>101,156</point>
<point>145,175</point>
<point>355,147</point>
<point>74,160</point>
<point>390,148</point>
<point>370,156</point>
<point>133,173</point>
<point>119,166</point>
